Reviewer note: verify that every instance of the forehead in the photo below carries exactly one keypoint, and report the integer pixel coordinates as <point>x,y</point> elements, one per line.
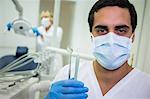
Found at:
<point>112,16</point>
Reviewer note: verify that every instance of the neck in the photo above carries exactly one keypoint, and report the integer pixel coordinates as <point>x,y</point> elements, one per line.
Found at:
<point>107,79</point>
<point>111,76</point>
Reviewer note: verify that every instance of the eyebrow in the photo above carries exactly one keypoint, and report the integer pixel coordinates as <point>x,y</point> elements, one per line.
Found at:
<point>122,26</point>
<point>116,27</point>
<point>101,26</point>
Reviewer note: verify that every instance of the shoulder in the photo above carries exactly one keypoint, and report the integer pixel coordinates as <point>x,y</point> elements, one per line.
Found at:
<point>142,74</point>
<point>41,28</point>
<point>60,29</point>
<point>141,83</point>
<point>144,77</point>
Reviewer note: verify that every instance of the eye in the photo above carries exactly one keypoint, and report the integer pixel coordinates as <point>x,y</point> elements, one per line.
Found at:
<point>101,31</point>
<point>121,31</point>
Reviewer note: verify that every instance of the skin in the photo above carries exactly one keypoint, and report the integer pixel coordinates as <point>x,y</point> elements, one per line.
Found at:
<point>50,21</point>
<point>117,20</point>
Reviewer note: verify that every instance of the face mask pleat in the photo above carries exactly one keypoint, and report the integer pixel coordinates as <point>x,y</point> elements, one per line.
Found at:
<point>111,50</point>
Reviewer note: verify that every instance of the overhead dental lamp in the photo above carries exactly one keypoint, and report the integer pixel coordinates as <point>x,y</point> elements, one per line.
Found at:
<point>20,26</point>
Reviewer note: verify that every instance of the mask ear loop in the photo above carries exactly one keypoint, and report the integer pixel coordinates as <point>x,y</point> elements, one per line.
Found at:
<point>131,53</point>
<point>131,38</point>
<point>92,40</point>
<point>92,37</point>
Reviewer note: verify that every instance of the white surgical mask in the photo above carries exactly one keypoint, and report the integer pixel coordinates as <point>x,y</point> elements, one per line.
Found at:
<point>45,22</point>
<point>111,50</point>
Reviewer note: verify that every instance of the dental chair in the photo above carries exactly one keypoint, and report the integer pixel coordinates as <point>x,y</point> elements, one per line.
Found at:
<point>21,66</point>
<point>5,60</point>
<point>17,73</point>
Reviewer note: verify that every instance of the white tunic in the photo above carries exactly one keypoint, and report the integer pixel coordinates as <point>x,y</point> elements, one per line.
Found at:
<point>135,85</point>
<point>57,62</point>
<point>48,37</point>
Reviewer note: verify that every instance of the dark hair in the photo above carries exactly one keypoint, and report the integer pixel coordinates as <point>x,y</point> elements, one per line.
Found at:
<point>120,3</point>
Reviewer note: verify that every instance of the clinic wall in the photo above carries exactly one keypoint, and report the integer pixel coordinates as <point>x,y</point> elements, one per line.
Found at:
<point>80,39</point>
<point>0,18</point>
<point>9,40</point>
<point>144,49</point>
<point>139,6</point>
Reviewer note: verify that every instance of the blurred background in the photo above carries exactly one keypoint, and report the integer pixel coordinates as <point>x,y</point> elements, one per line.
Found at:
<point>72,18</point>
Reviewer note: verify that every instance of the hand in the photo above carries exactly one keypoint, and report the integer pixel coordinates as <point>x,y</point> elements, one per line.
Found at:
<point>9,26</point>
<point>35,31</point>
<point>67,89</point>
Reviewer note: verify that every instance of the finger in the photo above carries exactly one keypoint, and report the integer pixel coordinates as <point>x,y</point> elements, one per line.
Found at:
<point>73,90</point>
<point>70,83</point>
<point>74,96</point>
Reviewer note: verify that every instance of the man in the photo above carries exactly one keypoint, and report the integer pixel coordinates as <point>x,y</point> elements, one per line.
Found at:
<point>112,26</point>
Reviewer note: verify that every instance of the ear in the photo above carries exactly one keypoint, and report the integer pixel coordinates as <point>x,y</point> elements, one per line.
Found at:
<point>133,37</point>
<point>91,36</point>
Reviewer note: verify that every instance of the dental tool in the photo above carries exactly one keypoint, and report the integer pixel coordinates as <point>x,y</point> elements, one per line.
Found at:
<point>77,66</point>
<point>70,50</point>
